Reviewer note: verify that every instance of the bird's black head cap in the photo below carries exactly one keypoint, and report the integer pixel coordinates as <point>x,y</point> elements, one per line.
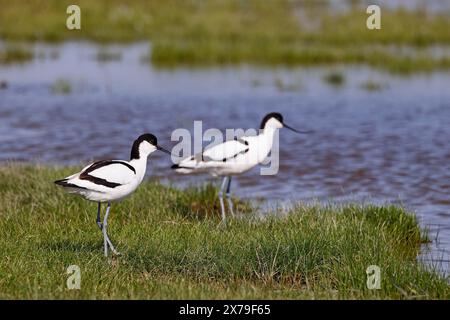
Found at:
<point>269,116</point>
<point>150,138</point>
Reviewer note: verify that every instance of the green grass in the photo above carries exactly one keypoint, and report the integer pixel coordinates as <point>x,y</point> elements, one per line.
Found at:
<point>335,79</point>
<point>372,85</point>
<point>222,32</point>
<point>105,55</point>
<point>287,86</point>
<point>172,249</point>
<point>61,86</point>
<point>15,54</point>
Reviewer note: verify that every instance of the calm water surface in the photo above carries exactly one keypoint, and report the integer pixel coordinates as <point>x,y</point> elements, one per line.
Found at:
<point>384,146</point>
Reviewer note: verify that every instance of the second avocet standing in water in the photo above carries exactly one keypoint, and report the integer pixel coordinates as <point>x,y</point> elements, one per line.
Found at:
<point>112,180</point>
<point>235,157</point>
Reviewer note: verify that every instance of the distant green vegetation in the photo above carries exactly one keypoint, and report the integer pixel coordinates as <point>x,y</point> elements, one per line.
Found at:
<point>15,54</point>
<point>61,86</point>
<point>372,85</point>
<point>235,31</point>
<point>283,85</point>
<point>232,21</point>
<point>335,78</point>
<point>105,55</point>
<point>173,247</point>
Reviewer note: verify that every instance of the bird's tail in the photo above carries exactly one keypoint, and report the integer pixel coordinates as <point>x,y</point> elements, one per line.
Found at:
<point>183,168</point>
<point>66,183</point>
<point>187,166</point>
<point>62,182</point>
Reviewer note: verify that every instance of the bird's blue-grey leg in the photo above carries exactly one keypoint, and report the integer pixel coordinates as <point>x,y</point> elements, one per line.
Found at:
<point>228,196</point>
<point>105,242</point>
<point>105,233</point>
<point>99,223</point>
<point>222,206</point>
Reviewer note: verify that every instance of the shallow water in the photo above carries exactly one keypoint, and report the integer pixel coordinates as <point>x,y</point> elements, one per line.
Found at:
<point>383,146</point>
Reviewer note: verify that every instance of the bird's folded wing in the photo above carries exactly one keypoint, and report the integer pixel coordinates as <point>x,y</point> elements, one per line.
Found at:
<point>109,173</point>
<point>226,151</point>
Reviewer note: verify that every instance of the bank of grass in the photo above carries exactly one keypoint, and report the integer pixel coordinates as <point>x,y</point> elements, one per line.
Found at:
<point>61,86</point>
<point>252,31</point>
<point>171,249</point>
<point>15,54</point>
<point>104,55</point>
<point>335,78</point>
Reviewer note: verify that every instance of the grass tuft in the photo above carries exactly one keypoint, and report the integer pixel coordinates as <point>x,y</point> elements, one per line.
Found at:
<point>15,54</point>
<point>105,55</point>
<point>372,85</point>
<point>335,79</point>
<point>61,86</point>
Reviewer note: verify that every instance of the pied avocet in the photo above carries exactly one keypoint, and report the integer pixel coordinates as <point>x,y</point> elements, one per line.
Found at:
<point>235,157</point>
<point>112,180</point>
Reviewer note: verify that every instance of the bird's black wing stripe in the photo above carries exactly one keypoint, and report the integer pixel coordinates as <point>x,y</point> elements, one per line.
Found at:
<point>244,142</point>
<point>206,158</point>
<point>100,181</point>
<point>99,164</point>
<point>235,155</point>
<point>103,163</point>
<point>241,141</point>
<point>66,184</point>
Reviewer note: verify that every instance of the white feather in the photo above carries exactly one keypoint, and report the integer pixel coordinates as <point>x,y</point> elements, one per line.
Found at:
<point>231,157</point>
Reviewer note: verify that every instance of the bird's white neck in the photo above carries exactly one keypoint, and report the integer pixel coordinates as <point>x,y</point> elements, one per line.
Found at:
<point>265,141</point>
<point>140,165</point>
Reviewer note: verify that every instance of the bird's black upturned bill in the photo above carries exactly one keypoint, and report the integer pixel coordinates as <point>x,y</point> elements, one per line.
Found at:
<point>163,150</point>
<point>295,130</point>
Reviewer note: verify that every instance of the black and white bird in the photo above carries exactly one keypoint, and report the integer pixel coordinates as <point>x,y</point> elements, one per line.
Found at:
<point>235,157</point>
<point>112,180</point>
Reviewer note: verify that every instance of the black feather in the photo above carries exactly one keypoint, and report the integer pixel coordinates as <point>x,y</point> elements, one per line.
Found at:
<point>269,116</point>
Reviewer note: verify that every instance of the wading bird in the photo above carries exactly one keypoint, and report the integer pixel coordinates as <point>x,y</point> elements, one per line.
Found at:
<point>235,157</point>
<point>112,180</point>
